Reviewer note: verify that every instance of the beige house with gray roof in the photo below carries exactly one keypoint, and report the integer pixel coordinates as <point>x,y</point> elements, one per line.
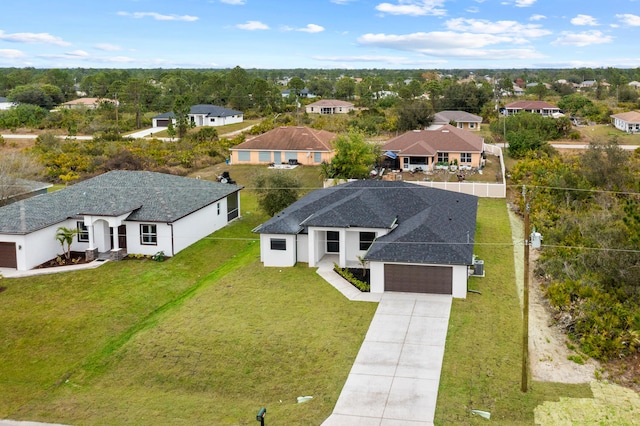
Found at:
<point>627,121</point>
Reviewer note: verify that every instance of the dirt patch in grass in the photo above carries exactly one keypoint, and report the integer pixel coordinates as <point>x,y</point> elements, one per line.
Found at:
<point>549,348</point>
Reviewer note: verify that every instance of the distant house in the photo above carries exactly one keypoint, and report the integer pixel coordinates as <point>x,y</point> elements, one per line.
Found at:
<point>413,238</point>
<point>635,84</point>
<point>203,115</point>
<point>537,107</point>
<point>89,103</point>
<point>330,106</point>
<point>627,121</point>
<point>426,148</point>
<point>588,84</point>
<point>16,189</point>
<point>298,145</point>
<point>116,213</point>
<point>463,120</point>
<point>6,104</point>
<point>304,93</point>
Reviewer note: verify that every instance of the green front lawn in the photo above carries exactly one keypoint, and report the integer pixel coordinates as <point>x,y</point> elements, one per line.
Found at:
<point>482,367</point>
<point>210,336</point>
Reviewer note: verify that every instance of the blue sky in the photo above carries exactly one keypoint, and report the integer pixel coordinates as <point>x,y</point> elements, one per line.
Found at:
<point>393,34</point>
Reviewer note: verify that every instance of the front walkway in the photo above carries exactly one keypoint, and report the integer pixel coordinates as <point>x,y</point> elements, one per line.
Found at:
<point>396,374</point>
<point>14,273</point>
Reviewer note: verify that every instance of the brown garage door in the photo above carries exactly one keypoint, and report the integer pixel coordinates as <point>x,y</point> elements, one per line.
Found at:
<point>162,122</point>
<point>418,279</point>
<point>8,255</point>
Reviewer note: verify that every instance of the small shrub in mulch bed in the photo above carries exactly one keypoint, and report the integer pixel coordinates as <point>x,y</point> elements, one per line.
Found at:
<point>77,258</point>
<point>357,276</point>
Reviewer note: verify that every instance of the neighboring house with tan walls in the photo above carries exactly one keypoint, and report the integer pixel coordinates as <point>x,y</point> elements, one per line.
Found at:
<point>462,119</point>
<point>297,145</point>
<point>426,149</point>
<point>330,106</point>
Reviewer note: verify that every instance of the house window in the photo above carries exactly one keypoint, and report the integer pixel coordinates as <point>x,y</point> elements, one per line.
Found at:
<point>472,125</point>
<point>278,244</point>
<point>264,156</point>
<point>218,207</point>
<point>465,157</point>
<point>212,120</point>
<point>148,234</point>
<point>83,233</point>
<point>460,125</point>
<point>333,242</point>
<point>244,156</point>
<point>366,239</point>
<point>443,157</point>
<point>317,157</point>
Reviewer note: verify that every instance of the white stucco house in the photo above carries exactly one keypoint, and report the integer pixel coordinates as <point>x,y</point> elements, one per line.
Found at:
<point>116,213</point>
<point>627,121</point>
<point>413,238</point>
<point>6,103</point>
<point>203,115</point>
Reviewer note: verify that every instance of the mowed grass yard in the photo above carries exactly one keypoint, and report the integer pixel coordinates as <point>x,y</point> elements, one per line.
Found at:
<point>482,366</point>
<point>210,336</point>
<point>207,337</point>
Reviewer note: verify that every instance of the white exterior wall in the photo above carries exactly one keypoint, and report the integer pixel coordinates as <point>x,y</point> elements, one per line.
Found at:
<point>198,225</point>
<point>353,244</point>
<point>164,239</point>
<point>39,246</point>
<point>277,257</point>
<point>303,247</point>
<point>460,277</point>
<point>376,277</point>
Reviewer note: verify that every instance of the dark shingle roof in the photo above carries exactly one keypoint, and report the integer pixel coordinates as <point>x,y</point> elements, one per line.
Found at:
<point>430,225</point>
<point>149,196</point>
<point>445,117</point>
<point>208,110</point>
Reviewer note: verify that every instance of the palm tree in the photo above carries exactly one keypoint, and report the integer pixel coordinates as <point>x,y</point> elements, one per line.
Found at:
<point>65,236</point>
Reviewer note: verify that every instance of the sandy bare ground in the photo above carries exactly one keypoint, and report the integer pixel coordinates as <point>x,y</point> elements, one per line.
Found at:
<point>548,350</point>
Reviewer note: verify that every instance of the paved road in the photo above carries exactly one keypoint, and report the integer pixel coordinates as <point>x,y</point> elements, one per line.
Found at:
<point>586,146</point>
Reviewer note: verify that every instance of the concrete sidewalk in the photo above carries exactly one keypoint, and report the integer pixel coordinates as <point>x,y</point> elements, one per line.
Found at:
<point>395,377</point>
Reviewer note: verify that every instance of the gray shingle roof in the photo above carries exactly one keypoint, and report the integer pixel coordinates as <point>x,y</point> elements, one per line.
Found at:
<point>445,117</point>
<point>208,110</point>
<point>433,225</point>
<point>149,196</point>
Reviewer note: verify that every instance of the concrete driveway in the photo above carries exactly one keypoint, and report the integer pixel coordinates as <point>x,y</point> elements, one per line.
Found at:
<point>395,377</point>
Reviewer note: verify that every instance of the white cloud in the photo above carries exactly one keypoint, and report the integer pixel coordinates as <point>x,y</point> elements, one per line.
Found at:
<point>396,60</point>
<point>108,47</point>
<point>585,38</point>
<point>45,38</point>
<point>11,54</point>
<point>510,28</point>
<point>584,20</point>
<point>473,9</point>
<point>629,19</point>
<point>413,7</point>
<point>420,42</point>
<point>310,28</point>
<point>525,3</point>
<point>234,2</point>
<point>77,53</point>
<point>159,16</point>
<point>537,17</point>
<point>252,26</point>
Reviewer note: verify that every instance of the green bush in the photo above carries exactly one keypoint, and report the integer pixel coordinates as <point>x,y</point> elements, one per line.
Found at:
<point>344,272</point>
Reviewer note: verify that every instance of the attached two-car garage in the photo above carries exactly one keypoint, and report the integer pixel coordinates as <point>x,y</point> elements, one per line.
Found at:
<point>418,279</point>
<point>8,257</point>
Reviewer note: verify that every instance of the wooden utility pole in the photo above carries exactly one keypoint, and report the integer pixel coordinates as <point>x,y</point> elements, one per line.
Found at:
<point>525,299</point>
